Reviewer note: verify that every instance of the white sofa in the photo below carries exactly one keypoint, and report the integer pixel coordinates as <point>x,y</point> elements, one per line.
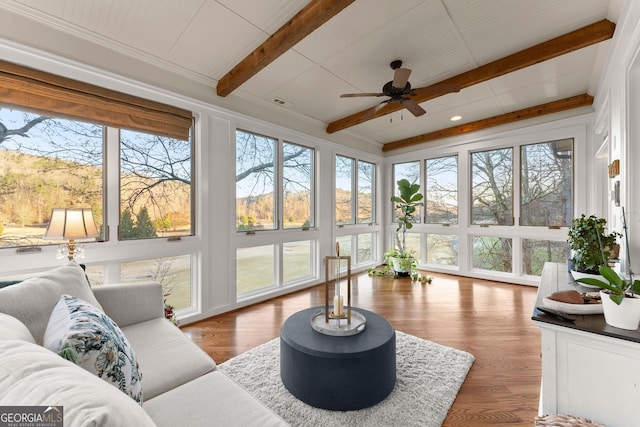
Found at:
<point>180,383</point>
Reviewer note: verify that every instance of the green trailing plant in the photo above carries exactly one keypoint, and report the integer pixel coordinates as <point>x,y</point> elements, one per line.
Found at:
<point>590,245</point>
<point>388,271</point>
<point>616,286</point>
<point>401,260</point>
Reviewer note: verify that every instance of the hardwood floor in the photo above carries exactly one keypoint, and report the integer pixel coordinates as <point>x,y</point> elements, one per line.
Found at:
<point>490,320</point>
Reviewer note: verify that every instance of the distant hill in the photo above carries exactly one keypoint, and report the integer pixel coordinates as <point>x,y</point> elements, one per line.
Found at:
<point>30,186</point>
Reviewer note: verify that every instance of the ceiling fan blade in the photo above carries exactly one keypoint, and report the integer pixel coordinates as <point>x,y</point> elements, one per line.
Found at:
<point>400,78</point>
<point>413,107</point>
<point>374,110</point>
<point>353,95</point>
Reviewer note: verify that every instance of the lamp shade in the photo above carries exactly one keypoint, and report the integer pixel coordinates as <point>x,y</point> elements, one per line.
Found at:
<point>69,224</point>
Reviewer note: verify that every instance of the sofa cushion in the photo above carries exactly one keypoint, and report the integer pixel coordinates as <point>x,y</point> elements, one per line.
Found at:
<point>32,375</point>
<point>83,334</point>
<point>13,329</point>
<point>166,356</point>
<point>211,400</point>
<point>32,300</point>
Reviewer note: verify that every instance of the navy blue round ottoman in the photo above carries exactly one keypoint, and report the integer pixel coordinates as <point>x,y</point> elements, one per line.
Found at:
<point>340,373</point>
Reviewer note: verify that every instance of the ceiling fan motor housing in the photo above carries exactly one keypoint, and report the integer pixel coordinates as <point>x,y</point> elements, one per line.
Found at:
<point>389,90</point>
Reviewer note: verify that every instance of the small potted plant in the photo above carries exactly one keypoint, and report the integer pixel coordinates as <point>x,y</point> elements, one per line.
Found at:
<point>406,202</point>
<point>590,245</point>
<point>620,303</point>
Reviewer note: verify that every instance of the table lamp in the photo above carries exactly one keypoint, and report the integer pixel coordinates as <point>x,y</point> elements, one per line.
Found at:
<point>71,224</point>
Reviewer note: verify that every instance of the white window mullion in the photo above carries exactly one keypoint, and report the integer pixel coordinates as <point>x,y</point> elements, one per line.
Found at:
<point>112,198</point>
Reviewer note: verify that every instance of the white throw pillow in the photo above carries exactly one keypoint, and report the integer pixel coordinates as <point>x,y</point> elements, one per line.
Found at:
<point>83,334</point>
<point>32,375</point>
<point>32,300</point>
<point>13,329</point>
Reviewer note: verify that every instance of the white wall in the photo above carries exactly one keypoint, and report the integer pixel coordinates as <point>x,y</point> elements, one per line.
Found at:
<point>617,104</point>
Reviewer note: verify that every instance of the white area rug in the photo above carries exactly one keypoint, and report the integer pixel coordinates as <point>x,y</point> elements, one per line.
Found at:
<point>429,376</point>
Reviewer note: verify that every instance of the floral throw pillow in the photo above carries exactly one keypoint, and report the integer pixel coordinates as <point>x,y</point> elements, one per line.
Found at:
<point>83,334</point>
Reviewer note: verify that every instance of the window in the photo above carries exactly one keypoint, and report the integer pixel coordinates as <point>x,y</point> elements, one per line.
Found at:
<point>49,162</point>
<point>412,241</point>
<point>345,245</point>
<point>297,260</point>
<point>492,253</point>
<point>536,252</point>
<point>546,183</point>
<point>354,175</point>
<point>441,192</point>
<point>255,182</point>
<point>155,186</point>
<point>297,186</point>
<point>492,187</point>
<point>255,268</point>
<point>355,207</point>
<point>274,192</point>
<point>442,249</point>
<point>174,273</point>
<point>411,172</point>
<point>265,186</point>
<point>365,247</point>
<point>366,176</point>
<point>345,204</point>
<point>46,163</point>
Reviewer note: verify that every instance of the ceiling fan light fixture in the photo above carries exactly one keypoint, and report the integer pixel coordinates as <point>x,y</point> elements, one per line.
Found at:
<point>455,118</point>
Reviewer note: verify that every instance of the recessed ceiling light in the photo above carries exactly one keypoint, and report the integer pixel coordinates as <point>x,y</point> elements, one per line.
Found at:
<point>455,118</point>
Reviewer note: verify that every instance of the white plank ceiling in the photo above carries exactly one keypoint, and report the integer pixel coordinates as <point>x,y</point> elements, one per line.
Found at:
<point>201,40</point>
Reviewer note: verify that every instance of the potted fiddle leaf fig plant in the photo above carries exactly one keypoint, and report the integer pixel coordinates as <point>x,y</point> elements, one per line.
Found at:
<point>591,246</point>
<point>406,202</point>
<point>620,302</point>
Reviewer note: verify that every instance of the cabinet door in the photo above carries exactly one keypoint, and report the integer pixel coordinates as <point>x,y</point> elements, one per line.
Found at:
<point>598,378</point>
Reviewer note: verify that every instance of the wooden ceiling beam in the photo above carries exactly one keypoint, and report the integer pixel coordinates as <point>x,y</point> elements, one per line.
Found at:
<point>583,37</point>
<point>502,119</point>
<point>297,28</point>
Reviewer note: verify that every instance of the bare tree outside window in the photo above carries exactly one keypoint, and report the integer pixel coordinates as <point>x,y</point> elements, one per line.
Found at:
<point>441,192</point>
<point>46,162</point>
<point>492,187</point>
<point>546,183</point>
<point>536,252</point>
<point>442,249</point>
<point>366,176</point>
<point>493,253</point>
<point>365,247</point>
<point>155,186</point>
<point>354,175</point>
<point>297,173</point>
<point>174,273</point>
<point>255,182</point>
<point>345,205</point>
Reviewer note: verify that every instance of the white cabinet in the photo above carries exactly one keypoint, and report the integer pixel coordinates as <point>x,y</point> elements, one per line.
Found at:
<point>589,369</point>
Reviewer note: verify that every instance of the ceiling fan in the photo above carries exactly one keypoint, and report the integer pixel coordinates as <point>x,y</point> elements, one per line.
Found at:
<point>399,90</point>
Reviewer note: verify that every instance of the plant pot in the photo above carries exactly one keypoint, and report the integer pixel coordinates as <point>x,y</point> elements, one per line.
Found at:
<point>401,266</point>
<point>623,316</point>
<point>579,275</point>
